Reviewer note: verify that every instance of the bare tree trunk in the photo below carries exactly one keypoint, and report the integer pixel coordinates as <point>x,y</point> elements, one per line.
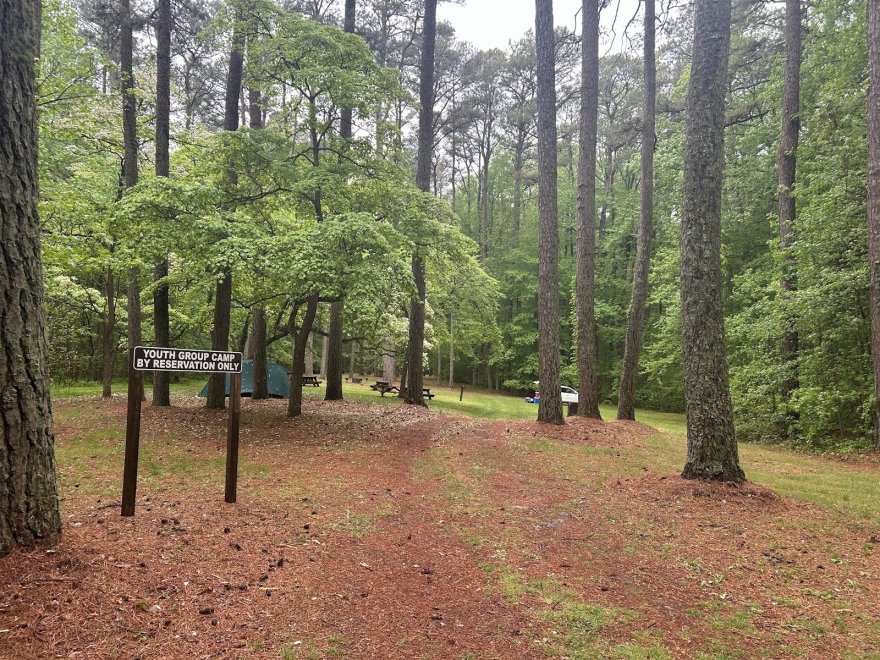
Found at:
<point>130,162</point>
<point>294,403</point>
<point>712,450</point>
<point>787,165</point>
<point>161,302</point>
<point>404,372</point>
<point>28,492</point>
<point>874,198</point>
<point>333,372</point>
<point>550,407</point>
<point>108,344</point>
<point>517,190</point>
<point>325,348</point>
<point>308,364</point>
<point>333,369</point>
<point>258,353</point>
<point>626,402</point>
<point>439,375</point>
<point>587,336</point>
<point>415,369</point>
<point>388,362</point>
<point>484,205</point>
<point>451,351</point>
<point>223,297</point>
<point>351,359</point>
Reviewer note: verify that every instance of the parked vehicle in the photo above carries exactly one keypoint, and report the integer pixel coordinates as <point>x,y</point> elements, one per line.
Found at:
<point>569,395</point>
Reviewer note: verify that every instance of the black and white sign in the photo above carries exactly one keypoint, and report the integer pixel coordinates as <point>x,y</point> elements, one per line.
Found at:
<point>147,358</point>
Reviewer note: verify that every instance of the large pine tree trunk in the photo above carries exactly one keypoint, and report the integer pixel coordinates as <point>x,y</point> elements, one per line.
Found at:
<point>300,338</point>
<point>626,402</point>
<point>223,295</point>
<point>550,408</point>
<point>712,451</point>
<point>334,358</point>
<point>787,163</point>
<point>416,349</point>
<point>874,198</point>
<point>28,492</point>
<point>161,303</point>
<point>587,338</point>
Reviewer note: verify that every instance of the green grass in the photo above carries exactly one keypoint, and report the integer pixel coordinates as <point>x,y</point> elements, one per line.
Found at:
<point>71,390</point>
<point>846,489</point>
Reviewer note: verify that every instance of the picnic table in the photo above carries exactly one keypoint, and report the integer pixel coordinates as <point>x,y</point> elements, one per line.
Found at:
<point>426,392</point>
<point>311,380</point>
<point>383,386</point>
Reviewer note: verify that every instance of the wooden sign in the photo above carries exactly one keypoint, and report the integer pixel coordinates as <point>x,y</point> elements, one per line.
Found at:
<point>146,358</point>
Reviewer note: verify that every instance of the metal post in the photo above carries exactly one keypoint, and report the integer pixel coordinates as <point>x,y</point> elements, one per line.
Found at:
<point>232,437</point>
<point>132,436</point>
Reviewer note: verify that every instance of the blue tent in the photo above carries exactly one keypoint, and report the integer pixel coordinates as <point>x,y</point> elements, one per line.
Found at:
<point>279,384</point>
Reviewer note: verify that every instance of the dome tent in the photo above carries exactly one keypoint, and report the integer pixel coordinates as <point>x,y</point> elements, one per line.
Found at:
<point>279,384</point>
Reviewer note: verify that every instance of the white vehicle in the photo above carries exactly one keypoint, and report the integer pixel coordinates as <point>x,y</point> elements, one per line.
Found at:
<point>569,395</point>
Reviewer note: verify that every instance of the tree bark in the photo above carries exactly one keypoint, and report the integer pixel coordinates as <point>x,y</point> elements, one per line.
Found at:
<point>108,345</point>
<point>294,403</point>
<point>258,353</point>
<point>626,402</point>
<point>333,372</point>
<point>308,363</point>
<point>415,359</point>
<point>712,450</point>
<point>787,165</point>
<point>129,102</point>
<point>587,338</point>
<point>451,351</point>
<point>28,492</point>
<point>416,348</point>
<point>161,302</point>
<point>334,358</point>
<point>351,358</point>
<point>130,162</point>
<point>223,296</point>
<point>388,362</point>
<point>874,198</point>
<point>550,407</point>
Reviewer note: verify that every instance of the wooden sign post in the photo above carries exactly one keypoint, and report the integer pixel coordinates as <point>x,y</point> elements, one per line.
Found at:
<point>144,358</point>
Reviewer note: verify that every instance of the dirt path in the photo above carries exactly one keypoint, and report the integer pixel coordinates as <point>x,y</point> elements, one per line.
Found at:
<point>391,532</point>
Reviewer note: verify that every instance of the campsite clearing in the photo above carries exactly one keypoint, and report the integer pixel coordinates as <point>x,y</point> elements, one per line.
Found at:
<point>381,530</point>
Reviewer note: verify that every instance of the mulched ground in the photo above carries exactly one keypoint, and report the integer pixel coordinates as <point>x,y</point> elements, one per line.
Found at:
<point>393,532</point>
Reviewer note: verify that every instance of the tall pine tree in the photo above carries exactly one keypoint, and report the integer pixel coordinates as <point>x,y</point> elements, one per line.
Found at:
<point>550,407</point>
<point>28,492</point>
<point>712,451</point>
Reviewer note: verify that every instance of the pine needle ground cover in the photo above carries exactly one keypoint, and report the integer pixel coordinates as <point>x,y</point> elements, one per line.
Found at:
<point>367,529</point>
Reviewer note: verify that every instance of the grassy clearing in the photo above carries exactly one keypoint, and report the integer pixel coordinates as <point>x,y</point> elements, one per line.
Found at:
<point>71,390</point>
<point>846,489</point>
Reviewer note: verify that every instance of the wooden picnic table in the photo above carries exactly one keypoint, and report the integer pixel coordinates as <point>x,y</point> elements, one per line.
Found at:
<point>311,380</point>
<point>383,386</point>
